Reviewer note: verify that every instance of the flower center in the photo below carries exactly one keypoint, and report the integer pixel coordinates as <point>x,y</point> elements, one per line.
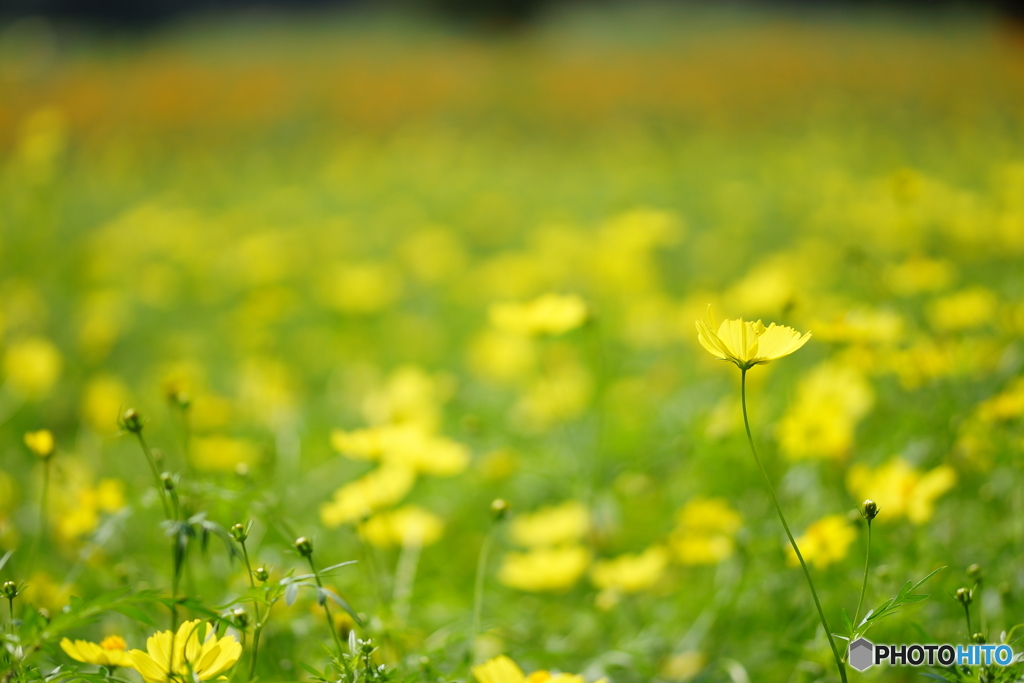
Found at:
<point>113,643</point>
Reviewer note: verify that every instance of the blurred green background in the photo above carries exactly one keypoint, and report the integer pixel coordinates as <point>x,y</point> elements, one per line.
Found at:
<point>312,223</point>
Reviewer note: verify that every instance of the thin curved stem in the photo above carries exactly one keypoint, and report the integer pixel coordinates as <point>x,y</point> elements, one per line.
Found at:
<point>864,586</point>
<point>478,591</point>
<point>259,621</point>
<point>327,612</point>
<point>157,482</point>
<point>789,534</point>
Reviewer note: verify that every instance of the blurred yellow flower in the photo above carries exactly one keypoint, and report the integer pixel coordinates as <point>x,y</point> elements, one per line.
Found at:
<point>111,651</point>
<point>40,442</point>
<point>218,453</point>
<point>501,357</point>
<point>410,525</point>
<point>630,573</point>
<point>363,288</point>
<point>900,490</point>
<point>820,424</point>
<point>32,366</point>
<point>42,590</point>
<point>406,445</point>
<point>77,513</point>
<point>544,569</point>
<point>1006,405</point>
<point>561,394</point>
<point>919,274</point>
<point>382,487</point>
<point>190,658</point>
<point>963,310</point>
<point>551,314</point>
<point>410,395</point>
<point>825,542</point>
<point>705,532</point>
<point>502,669</point>
<point>683,666</point>
<point>103,400</point>
<point>749,343</point>
<point>552,525</point>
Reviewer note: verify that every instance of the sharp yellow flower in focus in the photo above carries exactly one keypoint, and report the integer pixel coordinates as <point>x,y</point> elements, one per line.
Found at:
<point>41,442</point>
<point>825,542</point>
<point>111,651</point>
<point>502,669</point>
<point>190,659</point>
<point>748,343</point>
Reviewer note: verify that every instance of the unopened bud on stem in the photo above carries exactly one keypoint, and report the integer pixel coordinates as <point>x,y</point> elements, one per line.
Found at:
<point>870,509</point>
<point>304,546</point>
<point>131,421</point>
<point>500,509</point>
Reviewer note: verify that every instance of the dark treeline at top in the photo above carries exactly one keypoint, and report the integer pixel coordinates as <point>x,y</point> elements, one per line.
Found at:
<point>490,13</point>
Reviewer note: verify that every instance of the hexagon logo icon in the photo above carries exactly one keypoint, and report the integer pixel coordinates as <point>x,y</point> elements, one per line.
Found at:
<point>861,655</point>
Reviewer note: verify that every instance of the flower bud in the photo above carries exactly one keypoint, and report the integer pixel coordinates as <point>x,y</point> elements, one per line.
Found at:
<point>304,546</point>
<point>500,509</point>
<point>168,480</point>
<point>239,532</point>
<point>975,572</point>
<point>979,638</point>
<point>131,421</point>
<point>240,618</point>
<point>870,509</point>
<point>262,574</point>
<point>964,596</point>
<point>9,590</point>
<point>181,399</point>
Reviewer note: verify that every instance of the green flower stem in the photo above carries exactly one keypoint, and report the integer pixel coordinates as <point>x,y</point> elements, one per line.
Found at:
<point>259,621</point>
<point>41,531</point>
<point>478,591</point>
<point>967,614</point>
<point>864,586</point>
<point>156,473</point>
<point>785,525</point>
<point>327,611</point>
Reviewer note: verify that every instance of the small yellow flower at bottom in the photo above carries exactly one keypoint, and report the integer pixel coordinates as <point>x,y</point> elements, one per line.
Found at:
<point>748,343</point>
<point>190,658</point>
<point>111,651</point>
<point>502,669</point>
<point>41,442</point>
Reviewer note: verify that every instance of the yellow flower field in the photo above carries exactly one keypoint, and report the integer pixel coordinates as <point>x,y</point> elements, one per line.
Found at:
<point>363,348</point>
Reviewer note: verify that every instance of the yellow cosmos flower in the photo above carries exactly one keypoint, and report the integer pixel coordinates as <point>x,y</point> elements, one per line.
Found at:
<point>748,343</point>
<point>631,573</point>
<point>825,542</point>
<point>41,442</point>
<point>190,658</point>
<point>544,569</point>
<point>552,314</point>
<point>406,526</point>
<point>900,490</point>
<point>502,669</point>
<point>706,532</point>
<point>552,525</point>
<point>111,651</point>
